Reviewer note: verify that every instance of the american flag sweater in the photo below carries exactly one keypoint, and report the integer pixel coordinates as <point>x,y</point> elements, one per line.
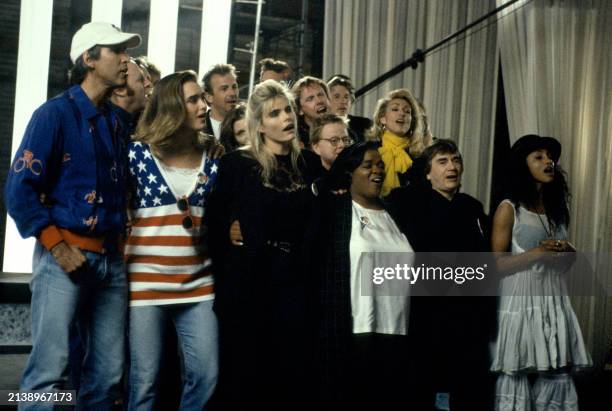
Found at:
<point>166,263</point>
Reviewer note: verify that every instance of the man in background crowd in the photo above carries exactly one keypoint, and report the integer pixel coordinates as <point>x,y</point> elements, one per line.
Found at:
<point>276,70</point>
<point>312,101</point>
<point>128,101</point>
<point>221,93</point>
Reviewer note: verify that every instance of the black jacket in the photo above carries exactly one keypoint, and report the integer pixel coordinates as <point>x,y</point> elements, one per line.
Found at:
<point>334,313</point>
<point>239,195</point>
<point>208,129</point>
<point>433,223</point>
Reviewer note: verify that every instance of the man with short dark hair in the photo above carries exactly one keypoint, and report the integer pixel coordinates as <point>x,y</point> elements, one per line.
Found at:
<point>66,187</point>
<point>437,218</point>
<point>342,97</point>
<point>312,101</point>
<point>277,70</point>
<point>152,70</point>
<point>221,93</point>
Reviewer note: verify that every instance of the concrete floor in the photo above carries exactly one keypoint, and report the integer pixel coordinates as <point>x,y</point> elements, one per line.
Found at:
<point>593,389</point>
<point>12,366</point>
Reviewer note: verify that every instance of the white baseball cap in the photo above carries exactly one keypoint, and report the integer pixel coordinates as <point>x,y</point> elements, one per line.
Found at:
<point>102,34</point>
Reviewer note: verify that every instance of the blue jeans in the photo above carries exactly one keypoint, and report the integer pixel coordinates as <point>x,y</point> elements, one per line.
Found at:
<point>97,305</point>
<point>196,327</point>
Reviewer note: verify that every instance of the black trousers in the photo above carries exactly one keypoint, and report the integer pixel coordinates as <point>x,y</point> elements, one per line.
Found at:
<point>265,354</point>
<point>377,377</point>
<point>449,344</point>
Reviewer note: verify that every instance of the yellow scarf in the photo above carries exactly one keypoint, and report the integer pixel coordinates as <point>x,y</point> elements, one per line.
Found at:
<point>396,160</point>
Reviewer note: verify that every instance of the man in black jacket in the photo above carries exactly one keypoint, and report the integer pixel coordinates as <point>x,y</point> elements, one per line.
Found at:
<point>450,335</point>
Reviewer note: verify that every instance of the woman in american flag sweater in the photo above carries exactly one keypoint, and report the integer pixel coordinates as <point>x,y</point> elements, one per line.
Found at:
<point>168,266</point>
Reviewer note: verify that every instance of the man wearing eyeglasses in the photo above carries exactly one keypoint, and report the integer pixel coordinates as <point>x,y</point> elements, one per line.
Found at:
<point>328,137</point>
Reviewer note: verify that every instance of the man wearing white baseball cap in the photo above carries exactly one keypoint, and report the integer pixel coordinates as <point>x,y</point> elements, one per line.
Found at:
<point>67,188</point>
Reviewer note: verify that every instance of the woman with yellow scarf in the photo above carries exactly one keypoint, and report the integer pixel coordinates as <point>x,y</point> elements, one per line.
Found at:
<point>400,124</point>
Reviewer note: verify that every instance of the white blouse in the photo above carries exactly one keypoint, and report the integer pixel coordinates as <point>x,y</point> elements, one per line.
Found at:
<point>182,181</point>
<point>375,231</point>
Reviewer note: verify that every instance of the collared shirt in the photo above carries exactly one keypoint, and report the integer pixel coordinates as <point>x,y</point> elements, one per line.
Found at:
<point>69,172</point>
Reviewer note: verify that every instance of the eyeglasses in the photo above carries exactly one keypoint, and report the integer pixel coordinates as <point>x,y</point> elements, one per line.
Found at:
<point>334,141</point>
<point>183,205</point>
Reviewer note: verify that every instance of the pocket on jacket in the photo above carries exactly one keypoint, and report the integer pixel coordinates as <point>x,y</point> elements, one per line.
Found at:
<point>85,211</point>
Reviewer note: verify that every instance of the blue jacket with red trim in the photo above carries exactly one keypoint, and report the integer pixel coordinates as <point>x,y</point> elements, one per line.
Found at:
<point>70,170</point>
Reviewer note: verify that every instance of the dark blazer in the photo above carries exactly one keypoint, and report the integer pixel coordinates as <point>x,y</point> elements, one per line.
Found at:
<point>335,313</point>
<point>261,292</point>
<point>208,129</point>
<point>335,288</point>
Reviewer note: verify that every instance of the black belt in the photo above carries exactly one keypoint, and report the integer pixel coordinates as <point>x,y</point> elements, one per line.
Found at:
<point>283,246</point>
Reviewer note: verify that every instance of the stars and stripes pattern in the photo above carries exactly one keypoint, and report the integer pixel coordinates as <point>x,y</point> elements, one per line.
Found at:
<point>166,263</point>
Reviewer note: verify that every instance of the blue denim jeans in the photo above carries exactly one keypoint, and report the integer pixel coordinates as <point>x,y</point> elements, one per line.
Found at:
<point>97,305</point>
<point>196,327</point>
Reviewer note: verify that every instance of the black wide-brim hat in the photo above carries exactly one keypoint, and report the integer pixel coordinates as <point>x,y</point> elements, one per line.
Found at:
<point>532,142</point>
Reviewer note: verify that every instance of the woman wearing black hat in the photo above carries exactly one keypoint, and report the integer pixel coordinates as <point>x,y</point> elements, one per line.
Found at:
<point>538,330</point>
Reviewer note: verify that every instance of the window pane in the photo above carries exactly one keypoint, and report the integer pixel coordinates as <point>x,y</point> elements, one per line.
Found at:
<point>188,35</point>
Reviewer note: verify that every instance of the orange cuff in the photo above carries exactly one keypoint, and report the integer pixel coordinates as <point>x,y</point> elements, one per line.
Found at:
<point>50,237</point>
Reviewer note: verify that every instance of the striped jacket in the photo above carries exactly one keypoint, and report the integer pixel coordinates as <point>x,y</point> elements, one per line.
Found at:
<point>166,263</point>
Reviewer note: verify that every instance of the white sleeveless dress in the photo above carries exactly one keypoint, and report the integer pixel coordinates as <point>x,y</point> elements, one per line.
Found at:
<point>537,327</point>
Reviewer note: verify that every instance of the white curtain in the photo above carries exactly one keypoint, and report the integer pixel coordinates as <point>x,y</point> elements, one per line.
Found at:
<point>557,66</point>
<point>457,84</point>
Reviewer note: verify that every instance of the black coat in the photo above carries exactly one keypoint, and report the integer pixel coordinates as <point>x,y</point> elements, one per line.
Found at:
<point>261,292</point>
<point>239,195</point>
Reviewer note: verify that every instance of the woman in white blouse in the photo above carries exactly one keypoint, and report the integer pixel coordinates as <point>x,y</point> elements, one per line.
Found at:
<point>363,343</point>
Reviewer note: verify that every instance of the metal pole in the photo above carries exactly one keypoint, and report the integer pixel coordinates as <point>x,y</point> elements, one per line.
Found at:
<point>302,36</point>
<point>419,55</point>
<point>255,45</point>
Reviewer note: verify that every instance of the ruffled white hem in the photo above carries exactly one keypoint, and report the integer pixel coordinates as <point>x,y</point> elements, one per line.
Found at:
<point>549,393</point>
<point>545,336</point>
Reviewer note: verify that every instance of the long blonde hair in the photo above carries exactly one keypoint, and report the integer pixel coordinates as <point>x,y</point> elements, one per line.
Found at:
<point>259,102</point>
<point>414,135</point>
<point>165,113</point>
